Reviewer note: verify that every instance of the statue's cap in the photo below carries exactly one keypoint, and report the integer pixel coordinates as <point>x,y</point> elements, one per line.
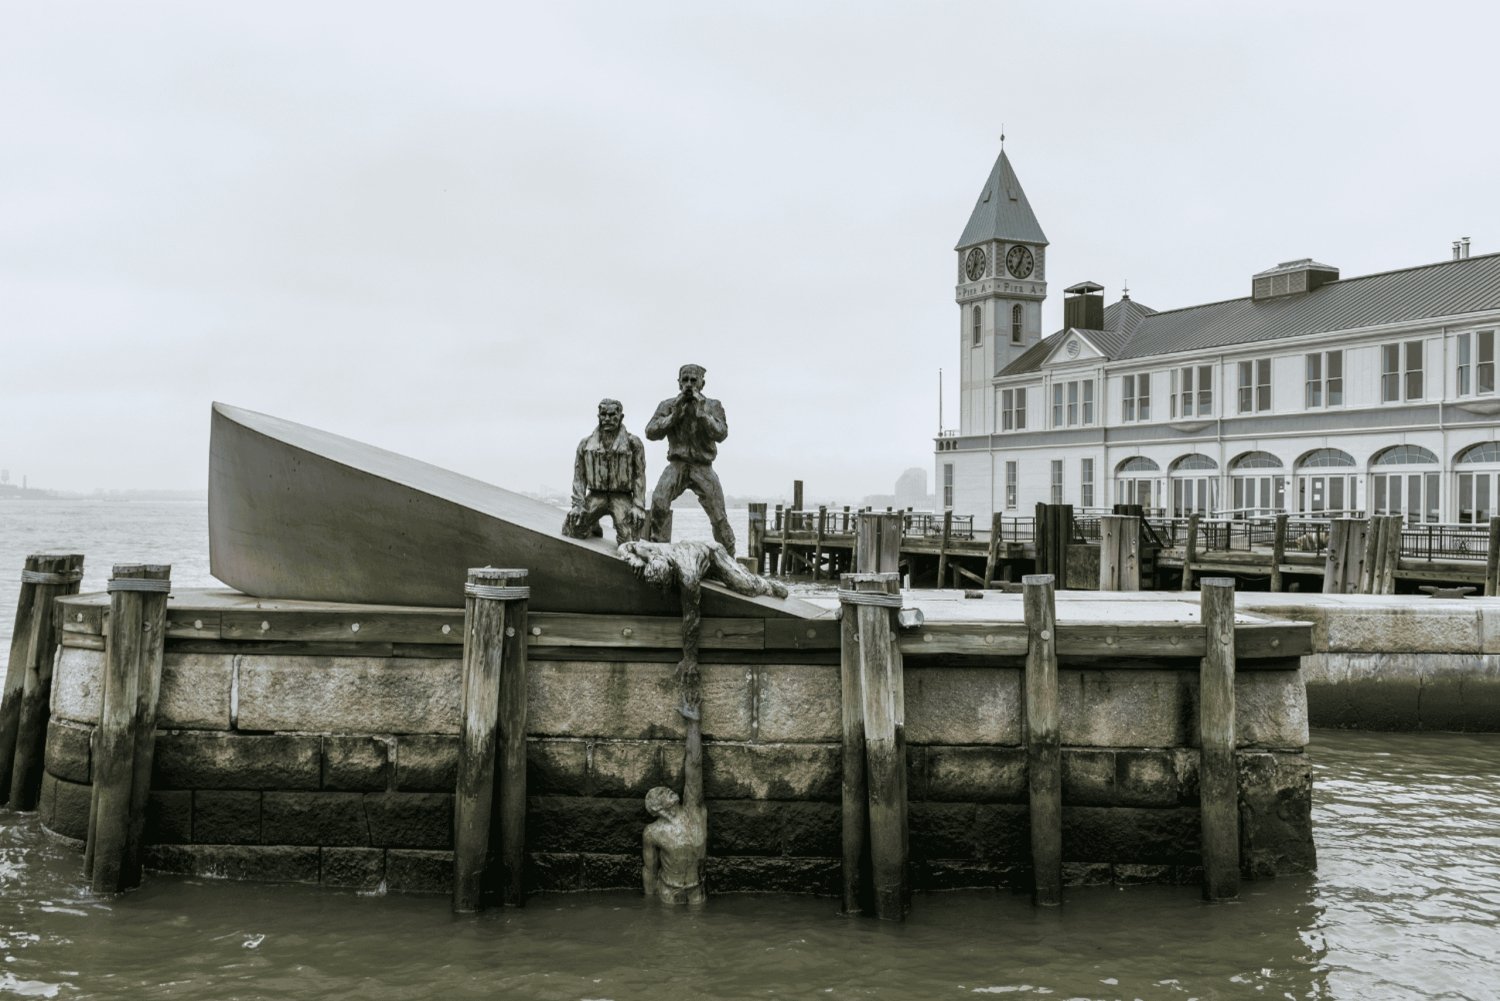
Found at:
<point>695,369</point>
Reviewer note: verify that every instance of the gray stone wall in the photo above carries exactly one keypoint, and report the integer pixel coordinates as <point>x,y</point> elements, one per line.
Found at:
<point>340,769</point>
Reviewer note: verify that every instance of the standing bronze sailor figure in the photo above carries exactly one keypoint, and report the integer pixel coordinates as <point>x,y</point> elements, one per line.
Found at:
<point>609,477</point>
<point>693,425</point>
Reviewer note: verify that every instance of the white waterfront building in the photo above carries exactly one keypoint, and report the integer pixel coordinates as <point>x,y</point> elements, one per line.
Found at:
<point>1315,394</point>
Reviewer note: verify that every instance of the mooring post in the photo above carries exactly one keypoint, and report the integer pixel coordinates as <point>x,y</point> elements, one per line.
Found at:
<point>1492,561</point>
<point>490,634</point>
<point>1390,560</point>
<point>1218,782</point>
<point>855,828</point>
<point>784,558</point>
<point>1190,551</point>
<point>992,553</point>
<point>877,544</point>
<point>1043,737</point>
<point>25,706</point>
<point>123,747</point>
<point>818,546</point>
<point>1344,557</point>
<point>755,545</point>
<point>942,572</point>
<point>1119,552</point>
<point>1278,551</point>
<point>874,601</point>
<point>1369,574</point>
<point>796,495</point>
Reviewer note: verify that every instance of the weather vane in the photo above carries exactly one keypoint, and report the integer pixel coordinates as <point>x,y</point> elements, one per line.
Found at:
<point>1002,135</point>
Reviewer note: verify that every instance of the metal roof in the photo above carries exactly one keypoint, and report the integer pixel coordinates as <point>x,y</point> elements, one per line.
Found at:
<point>1120,321</point>
<point>1002,212</point>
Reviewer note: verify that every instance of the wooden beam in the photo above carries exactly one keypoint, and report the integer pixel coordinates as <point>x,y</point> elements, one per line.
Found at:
<point>855,867</point>
<point>1218,781</point>
<point>1043,735</point>
<point>1278,551</point>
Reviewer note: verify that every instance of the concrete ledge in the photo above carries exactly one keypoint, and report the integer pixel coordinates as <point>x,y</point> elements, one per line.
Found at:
<point>1404,691</point>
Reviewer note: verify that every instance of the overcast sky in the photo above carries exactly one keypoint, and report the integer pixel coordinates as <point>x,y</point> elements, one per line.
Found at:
<point>449,229</point>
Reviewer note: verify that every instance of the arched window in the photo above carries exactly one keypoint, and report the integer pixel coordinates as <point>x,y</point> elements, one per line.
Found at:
<point>1015,324</point>
<point>1138,481</point>
<point>1195,485</point>
<point>1485,451</point>
<point>1137,464</point>
<point>978,315</point>
<point>1257,485</point>
<point>1193,460</point>
<point>1478,482</point>
<point>1322,491</point>
<point>1321,457</point>
<point>1409,492</point>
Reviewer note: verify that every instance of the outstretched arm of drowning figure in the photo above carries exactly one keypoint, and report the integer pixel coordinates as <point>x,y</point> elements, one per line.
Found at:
<point>692,763</point>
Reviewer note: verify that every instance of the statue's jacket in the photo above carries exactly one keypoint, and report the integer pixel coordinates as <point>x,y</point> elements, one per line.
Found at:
<point>619,467</point>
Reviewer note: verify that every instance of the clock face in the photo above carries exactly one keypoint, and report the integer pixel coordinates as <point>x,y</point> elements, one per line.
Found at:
<point>1019,261</point>
<point>974,264</point>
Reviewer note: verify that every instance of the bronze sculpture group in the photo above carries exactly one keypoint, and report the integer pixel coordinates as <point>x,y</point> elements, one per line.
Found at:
<point>609,477</point>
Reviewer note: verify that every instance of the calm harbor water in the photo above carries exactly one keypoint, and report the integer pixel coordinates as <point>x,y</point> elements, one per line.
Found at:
<point>1406,902</point>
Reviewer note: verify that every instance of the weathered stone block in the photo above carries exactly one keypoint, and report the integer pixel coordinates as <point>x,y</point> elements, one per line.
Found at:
<point>67,753</point>
<point>556,767</point>
<point>565,824</point>
<point>260,863</point>
<point>963,705</point>
<point>409,870</point>
<point>553,872</point>
<point>771,771</point>
<point>632,700</point>
<point>359,868</point>
<point>966,874</point>
<point>1275,814</point>
<point>610,872</point>
<point>226,817</point>
<point>941,830</point>
<point>1270,709</point>
<point>1429,627</point>
<point>1087,873</point>
<point>356,763</point>
<point>1088,776</point>
<point>46,801</point>
<point>77,684</point>
<point>410,819</point>
<point>1146,778</point>
<point>627,767</point>
<point>313,818</point>
<point>70,807</point>
<point>204,760</point>
<point>169,817</point>
<point>798,702</point>
<point>426,762</point>
<point>195,691</point>
<point>976,774</point>
<point>757,874</point>
<point>1002,833</point>
<point>1142,708</point>
<point>348,694</point>
<point>772,827</point>
<point>1131,835</point>
<point>1461,692</point>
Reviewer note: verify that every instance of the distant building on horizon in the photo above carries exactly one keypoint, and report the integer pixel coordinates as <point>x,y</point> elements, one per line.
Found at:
<point>1315,394</point>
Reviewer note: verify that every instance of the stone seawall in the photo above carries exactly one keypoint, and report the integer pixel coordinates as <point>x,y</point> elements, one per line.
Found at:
<point>277,761</point>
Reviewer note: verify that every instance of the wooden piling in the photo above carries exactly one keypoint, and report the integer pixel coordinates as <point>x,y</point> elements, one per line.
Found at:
<point>1119,553</point>
<point>1218,782</point>
<point>783,558</point>
<point>1278,551</point>
<point>25,705</point>
<point>493,712</point>
<point>796,495</point>
<point>942,571</point>
<point>1390,555</point>
<point>1190,551</point>
<point>874,600</point>
<point>992,552</point>
<point>1053,533</point>
<point>1492,562</point>
<point>877,543</point>
<point>818,542</point>
<point>855,828</point>
<point>1344,564</point>
<point>1043,735</point>
<point>123,745</point>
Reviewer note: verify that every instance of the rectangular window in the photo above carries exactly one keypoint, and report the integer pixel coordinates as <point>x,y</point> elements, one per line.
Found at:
<point>1072,403</point>
<point>1192,391</point>
<point>1057,481</point>
<point>1465,365</point>
<point>1313,396</point>
<point>1245,387</point>
<point>1143,396</point>
<point>1086,482</point>
<point>1390,373</point>
<point>1254,385</point>
<point>1205,390</point>
<point>1484,366</point>
<point>1020,409</point>
<point>1324,379</point>
<point>1413,370</point>
<point>1057,404</point>
<point>1007,409</point>
<point>1010,484</point>
<point>1127,398</point>
<point>947,485</point>
<point>1263,384</point>
<point>978,321</point>
<point>1088,401</point>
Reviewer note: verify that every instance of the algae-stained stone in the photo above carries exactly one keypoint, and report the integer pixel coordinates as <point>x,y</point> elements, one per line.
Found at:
<point>967,874</point>
<point>557,766</point>
<point>356,763</point>
<point>798,702</point>
<point>410,819</point>
<point>610,872</point>
<point>632,700</point>
<point>195,691</point>
<point>1275,813</point>
<point>1087,873</point>
<point>205,760</point>
<point>169,817</point>
<point>313,818</point>
<point>976,774</point>
<point>771,771</point>
<point>1122,708</point>
<point>1460,692</point>
<point>348,694</point>
<point>963,705</point>
<point>627,767</point>
<point>776,827</point>
<point>758,874</point>
<point>1002,832</point>
<point>77,684</point>
<point>942,830</point>
<point>70,807</point>
<point>261,863</point>
<point>1270,709</point>
<point>1383,692</point>
<point>358,868</point>
<point>1122,834</point>
<point>67,753</point>
<point>1088,776</point>
<point>552,871</point>
<point>426,762</point>
<point>606,826</point>
<point>226,817</point>
<point>410,870</point>
<point>1147,778</point>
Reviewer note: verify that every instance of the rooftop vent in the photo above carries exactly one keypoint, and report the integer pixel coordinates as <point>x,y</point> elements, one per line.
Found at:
<point>1291,277</point>
<point>1083,306</point>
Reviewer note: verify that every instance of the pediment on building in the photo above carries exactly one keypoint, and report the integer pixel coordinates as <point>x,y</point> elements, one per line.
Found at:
<point>1074,346</point>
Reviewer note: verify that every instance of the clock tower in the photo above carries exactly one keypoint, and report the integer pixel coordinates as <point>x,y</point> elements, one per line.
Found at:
<point>1001,285</point>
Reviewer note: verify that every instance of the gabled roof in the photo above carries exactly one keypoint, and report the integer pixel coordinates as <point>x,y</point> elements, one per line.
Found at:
<point>1429,291</point>
<point>1002,212</point>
